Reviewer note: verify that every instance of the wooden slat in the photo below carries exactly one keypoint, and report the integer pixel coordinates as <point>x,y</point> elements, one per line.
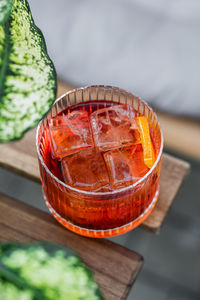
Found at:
<point>115,267</point>
<point>172,175</point>
<point>7,233</point>
<point>18,158</point>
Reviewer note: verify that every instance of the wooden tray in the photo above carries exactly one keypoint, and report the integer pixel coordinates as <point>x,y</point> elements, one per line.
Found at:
<point>115,268</point>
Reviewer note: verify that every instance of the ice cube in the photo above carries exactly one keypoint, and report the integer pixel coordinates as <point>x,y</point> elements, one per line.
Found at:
<point>70,133</point>
<point>85,170</point>
<point>114,127</point>
<point>118,163</point>
<point>125,166</point>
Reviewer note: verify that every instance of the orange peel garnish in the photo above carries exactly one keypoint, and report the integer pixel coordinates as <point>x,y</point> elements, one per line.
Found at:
<point>148,151</point>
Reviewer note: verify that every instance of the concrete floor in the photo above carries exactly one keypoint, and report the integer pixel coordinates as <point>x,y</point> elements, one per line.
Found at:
<point>172,259</point>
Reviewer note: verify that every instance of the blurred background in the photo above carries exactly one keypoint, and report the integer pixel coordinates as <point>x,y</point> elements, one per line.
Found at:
<point>151,48</point>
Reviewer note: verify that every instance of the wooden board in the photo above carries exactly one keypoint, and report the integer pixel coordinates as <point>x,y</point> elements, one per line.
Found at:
<point>173,172</point>
<point>115,267</point>
<point>20,157</point>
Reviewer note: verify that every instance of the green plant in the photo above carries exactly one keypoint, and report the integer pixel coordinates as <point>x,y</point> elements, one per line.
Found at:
<point>28,82</point>
<point>5,9</point>
<point>44,271</point>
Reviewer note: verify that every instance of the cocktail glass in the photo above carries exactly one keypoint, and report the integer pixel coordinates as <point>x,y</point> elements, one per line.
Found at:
<point>99,214</point>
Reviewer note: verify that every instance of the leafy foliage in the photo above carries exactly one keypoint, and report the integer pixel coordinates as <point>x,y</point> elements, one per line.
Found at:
<point>5,8</point>
<point>28,81</point>
<point>45,271</point>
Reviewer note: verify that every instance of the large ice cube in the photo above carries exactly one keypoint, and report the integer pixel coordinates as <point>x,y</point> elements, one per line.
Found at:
<point>114,127</point>
<point>125,166</point>
<point>85,170</point>
<point>70,133</point>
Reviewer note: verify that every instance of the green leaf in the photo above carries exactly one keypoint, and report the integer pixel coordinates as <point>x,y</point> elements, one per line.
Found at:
<point>17,285</point>
<point>5,8</point>
<point>48,270</point>
<point>28,81</point>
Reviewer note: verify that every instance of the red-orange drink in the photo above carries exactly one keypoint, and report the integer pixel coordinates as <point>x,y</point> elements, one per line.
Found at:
<point>100,161</point>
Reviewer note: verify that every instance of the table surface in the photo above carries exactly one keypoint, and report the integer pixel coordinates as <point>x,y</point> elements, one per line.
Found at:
<point>115,268</point>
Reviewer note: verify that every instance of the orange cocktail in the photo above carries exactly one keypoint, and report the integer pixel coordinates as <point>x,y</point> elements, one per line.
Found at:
<point>100,160</point>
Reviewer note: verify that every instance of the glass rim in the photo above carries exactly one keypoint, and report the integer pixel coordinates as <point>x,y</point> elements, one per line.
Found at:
<point>88,193</point>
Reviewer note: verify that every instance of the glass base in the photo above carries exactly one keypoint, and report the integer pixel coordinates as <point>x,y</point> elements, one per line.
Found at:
<point>108,232</point>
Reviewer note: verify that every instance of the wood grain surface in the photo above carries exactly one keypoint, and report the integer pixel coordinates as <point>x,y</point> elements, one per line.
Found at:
<point>173,172</point>
<point>115,268</point>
